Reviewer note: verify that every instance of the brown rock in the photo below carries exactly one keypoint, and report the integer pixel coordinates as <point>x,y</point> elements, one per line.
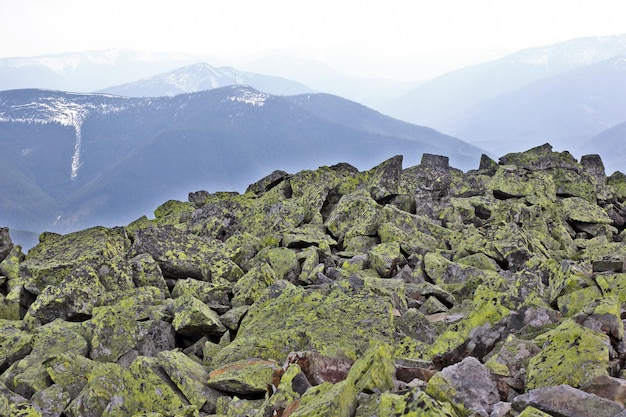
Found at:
<point>604,386</point>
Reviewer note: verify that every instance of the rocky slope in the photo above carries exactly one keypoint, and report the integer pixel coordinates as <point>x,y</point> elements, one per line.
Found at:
<point>421,291</point>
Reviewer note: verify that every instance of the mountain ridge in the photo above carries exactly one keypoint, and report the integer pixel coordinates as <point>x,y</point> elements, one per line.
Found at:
<point>96,154</point>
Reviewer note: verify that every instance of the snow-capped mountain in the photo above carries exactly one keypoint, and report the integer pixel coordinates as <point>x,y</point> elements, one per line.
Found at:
<point>86,71</point>
<point>202,76</point>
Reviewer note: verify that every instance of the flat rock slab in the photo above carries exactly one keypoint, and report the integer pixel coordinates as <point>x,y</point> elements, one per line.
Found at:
<point>566,401</point>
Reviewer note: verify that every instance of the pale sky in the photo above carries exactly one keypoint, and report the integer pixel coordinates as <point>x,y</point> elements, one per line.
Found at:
<point>396,39</point>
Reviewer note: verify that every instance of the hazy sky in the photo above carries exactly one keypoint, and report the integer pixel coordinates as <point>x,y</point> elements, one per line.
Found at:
<point>402,39</point>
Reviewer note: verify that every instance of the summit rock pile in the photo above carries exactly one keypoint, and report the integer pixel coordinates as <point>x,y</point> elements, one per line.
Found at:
<point>421,291</point>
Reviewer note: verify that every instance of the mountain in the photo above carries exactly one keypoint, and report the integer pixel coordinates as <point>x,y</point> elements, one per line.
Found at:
<point>75,160</point>
<point>440,102</point>
<point>373,92</point>
<point>202,76</point>
<point>86,71</point>
<point>565,109</point>
<point>611,144</point>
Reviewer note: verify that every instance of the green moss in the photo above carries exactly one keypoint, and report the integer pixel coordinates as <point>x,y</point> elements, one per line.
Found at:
<point>145,389</point>
<point>414,403</point>
<point>488,310</point>
<point>570,354</point>
<point>441,389</point>
<point>246,377</point>
<point>192,316</point>
<point>288,318</point>
<point>327,400</point>
<point>49,263</point>
<point>249,288</point>
<point>189,376</point>
<point>533,412</point>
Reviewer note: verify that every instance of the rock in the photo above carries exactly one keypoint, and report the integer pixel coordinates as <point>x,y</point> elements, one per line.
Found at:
<point>194,318</point>
<point>570,354</point>
<point>51,260</point>
<point>5,243</point>
<point>288,318</point>
<point>468,386</point>
<point>72,299</point>
<point>355,214</point>
<point>564,400</point>
<point>267,183</point>
<point>191,378</point>
<point>104,382</point>
<point>610,262</point>
<point>604,386</point>
<point>51,401</point>
<point>475,334</point>
<point>319,369</point>
<point>246,377</point>
<point>414,403</point>
<point>386,259</point>
<point>146,388</point>
<point>283,262</point>
<point>147,273</point>
<point>120,337</point>
<point>182,255</point>
<point>213,294</point>
<point>292,385</point>
<point>511,360</point>
<point>15,343</point>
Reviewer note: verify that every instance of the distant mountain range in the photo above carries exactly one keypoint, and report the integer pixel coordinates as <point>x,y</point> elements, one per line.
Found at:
<point>202,76</point>
<point>86,71</point>
<point>563,94</point>
<point>69,161</point>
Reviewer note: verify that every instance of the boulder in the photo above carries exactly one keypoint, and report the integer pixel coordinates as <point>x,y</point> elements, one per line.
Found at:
<point>52,260</point>
<point>191,378</point>
<point>287,318</point>
<point>119,337</point>
<point>604,386</point>
<point>182,255</point>
<point>467,385</point>
<point>570,354</point>
<point>6,244</point>
<point>248,377</point>
<point>194,318</point>
<point>564,400</point>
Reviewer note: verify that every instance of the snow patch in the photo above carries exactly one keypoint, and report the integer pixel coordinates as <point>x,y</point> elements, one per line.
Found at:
<point>247,96</point>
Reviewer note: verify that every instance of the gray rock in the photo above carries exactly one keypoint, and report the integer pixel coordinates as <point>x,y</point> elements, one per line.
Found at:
<point>467,385</point>
<point>5,243</point>
<point>566,401</point>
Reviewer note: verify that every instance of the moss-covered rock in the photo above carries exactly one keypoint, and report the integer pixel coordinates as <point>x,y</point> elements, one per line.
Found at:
<point>214,294</point>
<point>193,317</point>
<point>119,337</point>
<point>355,214</point>
<point>183,255</point>
<point>250,287</point>
<point>191,378</point>
<point>288,318</point>
<point>414,403</point>
<point>488,311</point>
<point>146,388</point>
<point>50,262</point>
<point>570,354</point>
<point>244,377</point>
